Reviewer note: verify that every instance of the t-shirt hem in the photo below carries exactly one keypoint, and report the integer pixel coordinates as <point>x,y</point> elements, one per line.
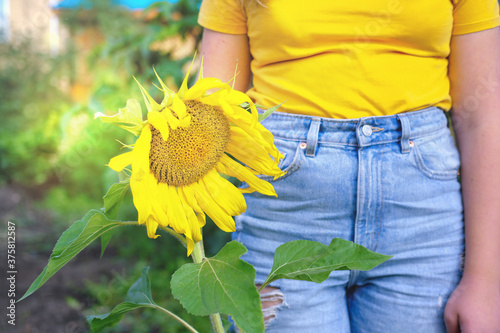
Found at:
<point>215,25</point>
<point>475,27</point>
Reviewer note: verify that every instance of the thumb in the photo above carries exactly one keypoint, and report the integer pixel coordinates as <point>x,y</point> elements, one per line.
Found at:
<point>451,320</point>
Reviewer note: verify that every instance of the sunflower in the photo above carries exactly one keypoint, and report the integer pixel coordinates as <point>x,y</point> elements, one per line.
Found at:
<point>188,142</point>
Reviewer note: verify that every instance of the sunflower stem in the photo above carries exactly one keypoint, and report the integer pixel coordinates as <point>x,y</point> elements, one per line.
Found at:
<point>185,324</point>
<point>179,237</point>
<point>198,255</point>
<point>216,323</point>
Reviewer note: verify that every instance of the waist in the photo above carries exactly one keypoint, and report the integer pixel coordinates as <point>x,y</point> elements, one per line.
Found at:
<point>359,132</point>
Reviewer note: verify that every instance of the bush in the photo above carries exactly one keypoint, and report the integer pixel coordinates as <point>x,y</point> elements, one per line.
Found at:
<point>33,102</point>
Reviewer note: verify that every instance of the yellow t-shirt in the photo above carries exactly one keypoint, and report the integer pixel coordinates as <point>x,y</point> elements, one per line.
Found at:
<point>346,59</point>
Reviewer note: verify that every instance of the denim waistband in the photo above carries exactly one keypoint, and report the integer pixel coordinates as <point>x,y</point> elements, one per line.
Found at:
<point>360,132</point>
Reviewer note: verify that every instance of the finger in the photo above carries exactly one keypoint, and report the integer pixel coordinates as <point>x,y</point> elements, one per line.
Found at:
<point>452,325</point>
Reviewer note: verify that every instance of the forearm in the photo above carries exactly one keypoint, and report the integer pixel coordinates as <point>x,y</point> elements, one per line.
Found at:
<point>227,57</point>
<point>475,90</point>
<point>480,174</point>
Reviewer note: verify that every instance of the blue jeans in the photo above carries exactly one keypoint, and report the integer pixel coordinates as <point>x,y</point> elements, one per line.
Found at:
<point>388,183</point>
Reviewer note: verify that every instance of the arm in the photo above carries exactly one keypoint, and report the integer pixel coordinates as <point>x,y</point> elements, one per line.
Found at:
<point>475,88</point>
<point>221,52</point>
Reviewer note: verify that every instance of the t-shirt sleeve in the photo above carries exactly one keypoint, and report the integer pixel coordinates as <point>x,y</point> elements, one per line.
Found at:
<point>474,15</point>
<point>226,16</point>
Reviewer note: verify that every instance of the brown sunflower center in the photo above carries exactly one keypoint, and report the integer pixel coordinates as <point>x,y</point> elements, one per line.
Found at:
<point>190,152</point>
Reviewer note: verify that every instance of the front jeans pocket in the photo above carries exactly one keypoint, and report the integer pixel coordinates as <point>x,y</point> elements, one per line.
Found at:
<point>294,157</point>
<point>436,156</point>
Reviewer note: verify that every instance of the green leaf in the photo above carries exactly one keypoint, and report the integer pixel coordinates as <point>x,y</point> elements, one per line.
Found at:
<point>269,111</point>
<point>71,242</point>
<point>221,284</point>
<point>99,322</point>
<point>129,118</point>
<point>112,202</point>
<point>138,296</point>
<point>266,113</point>
<point>314,261</point>
<point>114,197</point>
<point>105,239</point>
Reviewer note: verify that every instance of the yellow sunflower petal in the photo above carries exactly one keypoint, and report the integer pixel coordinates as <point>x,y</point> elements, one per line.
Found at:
<point>150,102</point>
<point>175,212</point>
<point>225,194</point>
<point>140,198</point>
<point>184,88</point>
<point>141,150</point>
<point>147,198</point>
<point>200,73</point>
<point>232,168</point>
<point>224,221</point>
<point>236,97</point>
<point>253,155</point>
<point>158,120</point>
<point>256,131</point>
<point>168,94</point>
<point>129,118</point>
<point>179,107</point>
<point>262,137</point>
<point>189,245</point>
<point>118,163</point>
<point>238,115</point>
<point>195,230</point>
<point>152,226</point>
<point>228,109</point>
<point>193,233</point>
<point>188,196</point>
<point>202,86</point>
<point>173,121</point>
<point>214,97</point>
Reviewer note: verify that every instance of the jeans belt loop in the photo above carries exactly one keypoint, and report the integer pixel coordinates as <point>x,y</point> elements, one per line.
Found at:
<point>405,133</point>
<point>312,137</point>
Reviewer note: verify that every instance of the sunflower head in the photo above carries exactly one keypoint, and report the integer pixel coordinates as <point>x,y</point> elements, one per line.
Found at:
<point>187,143</point>
<point>190,152</point>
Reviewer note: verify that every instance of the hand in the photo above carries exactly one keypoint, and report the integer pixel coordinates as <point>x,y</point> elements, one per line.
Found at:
<point>474,307</point>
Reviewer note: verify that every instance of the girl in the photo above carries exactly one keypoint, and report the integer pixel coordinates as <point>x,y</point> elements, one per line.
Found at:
<point>369,157</point>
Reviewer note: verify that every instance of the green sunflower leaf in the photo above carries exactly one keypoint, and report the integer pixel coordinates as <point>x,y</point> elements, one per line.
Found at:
<point>72,241</point>
<point>112,201</point>
<point>138,296</point>
<point>221,284</point>
<point>314,261</point>
<point>113,198</point>
<point>129,118</point>
<point>268,112</point>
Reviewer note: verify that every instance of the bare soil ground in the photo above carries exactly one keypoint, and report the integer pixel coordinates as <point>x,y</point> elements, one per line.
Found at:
<point>47,310</point>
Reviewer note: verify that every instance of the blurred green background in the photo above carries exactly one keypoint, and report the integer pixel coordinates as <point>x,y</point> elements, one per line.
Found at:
<point>53,154</point>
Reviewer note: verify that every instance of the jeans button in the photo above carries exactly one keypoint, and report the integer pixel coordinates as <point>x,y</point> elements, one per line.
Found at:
<point>367,130</point>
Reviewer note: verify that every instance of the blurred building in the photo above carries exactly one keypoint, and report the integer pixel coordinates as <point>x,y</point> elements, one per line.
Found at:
<point>34,19</point>
<point>42,22</point>
<point>88,37</point>
<point>39,19</point>
<point>130,4</point>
